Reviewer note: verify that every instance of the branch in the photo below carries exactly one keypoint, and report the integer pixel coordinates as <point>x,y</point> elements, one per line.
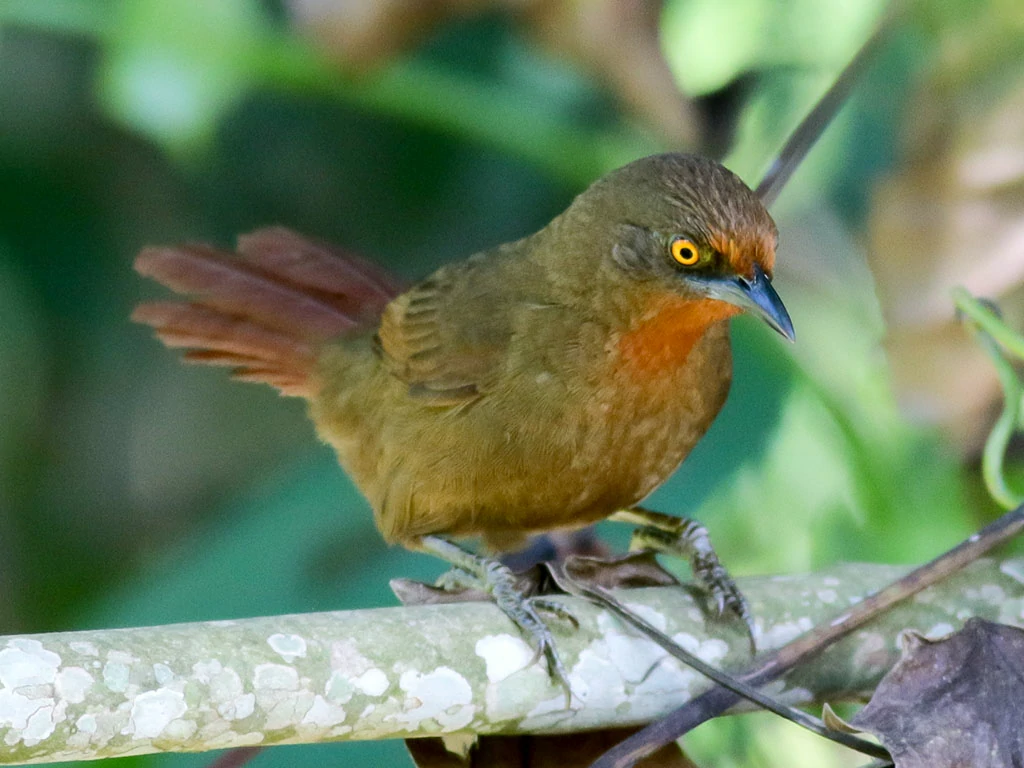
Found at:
<point>420,671</point>
<point>769,667</point>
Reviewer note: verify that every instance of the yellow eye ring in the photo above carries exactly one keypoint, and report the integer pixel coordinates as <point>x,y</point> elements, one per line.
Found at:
<point>684,252</point>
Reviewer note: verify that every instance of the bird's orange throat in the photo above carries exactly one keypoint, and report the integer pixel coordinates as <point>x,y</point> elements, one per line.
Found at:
<point>667,332</point>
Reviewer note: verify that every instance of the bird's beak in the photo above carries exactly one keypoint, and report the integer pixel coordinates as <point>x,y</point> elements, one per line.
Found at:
<point>754,295</point>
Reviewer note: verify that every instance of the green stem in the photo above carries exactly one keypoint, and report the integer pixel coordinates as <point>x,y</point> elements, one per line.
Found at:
<point>1002,430</point>
<point>988,321</point>
<point>994,336</point>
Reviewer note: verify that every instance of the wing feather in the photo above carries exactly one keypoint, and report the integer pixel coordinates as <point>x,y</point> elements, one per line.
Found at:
<point>448,337</point>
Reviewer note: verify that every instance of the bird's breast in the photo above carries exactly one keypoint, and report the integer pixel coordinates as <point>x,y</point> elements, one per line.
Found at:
<point>632,410</point>
<point>657,346</point>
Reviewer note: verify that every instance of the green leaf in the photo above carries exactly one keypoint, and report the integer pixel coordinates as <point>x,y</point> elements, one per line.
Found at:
<point>171,70</point>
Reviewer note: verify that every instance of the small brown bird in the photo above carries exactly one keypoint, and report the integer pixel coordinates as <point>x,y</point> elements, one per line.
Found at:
<point>547,383</point>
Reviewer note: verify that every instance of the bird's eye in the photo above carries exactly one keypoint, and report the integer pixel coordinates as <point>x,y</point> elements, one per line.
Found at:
<point>684,252</point>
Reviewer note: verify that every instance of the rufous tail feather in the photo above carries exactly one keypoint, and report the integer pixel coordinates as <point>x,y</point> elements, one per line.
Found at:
<point>266,310</point>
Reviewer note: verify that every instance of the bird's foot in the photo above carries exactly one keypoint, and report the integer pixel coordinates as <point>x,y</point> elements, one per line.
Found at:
<point>457,580</point>
<point>525,612</point>
<point>495,578</point>
<point>689,540</point>
<point>694,544</point>
<point>555,610</point>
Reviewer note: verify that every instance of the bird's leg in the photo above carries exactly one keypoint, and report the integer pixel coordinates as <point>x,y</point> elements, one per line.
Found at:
<point>498,580</point>
<point>456,579</point>
<point>688,539</point>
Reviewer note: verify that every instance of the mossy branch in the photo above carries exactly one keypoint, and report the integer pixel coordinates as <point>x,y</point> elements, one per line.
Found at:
<point>421,671</point>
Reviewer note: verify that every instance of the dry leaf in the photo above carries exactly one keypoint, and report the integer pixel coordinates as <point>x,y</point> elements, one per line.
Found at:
<point>629,571</point>
<point>364,33</point>
<point>954,702</point>
<point>573,750</point>
<point>616,41</point>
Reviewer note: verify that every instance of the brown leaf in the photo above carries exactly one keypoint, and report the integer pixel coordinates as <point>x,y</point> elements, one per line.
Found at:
<point>364,33</point>
<point>629,571</point>
<point>410,592</point>
<point>954,702</point>
<point>573,750</point>
<point>616,41</point>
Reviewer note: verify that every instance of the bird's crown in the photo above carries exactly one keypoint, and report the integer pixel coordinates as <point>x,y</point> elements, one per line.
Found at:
<point>680,197</point>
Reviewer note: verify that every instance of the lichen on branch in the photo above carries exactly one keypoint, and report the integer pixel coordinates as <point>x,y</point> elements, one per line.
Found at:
<point>421,671</point>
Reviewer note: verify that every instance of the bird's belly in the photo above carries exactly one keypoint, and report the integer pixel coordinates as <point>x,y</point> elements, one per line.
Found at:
<point>539,476</point>
<point>612,455</point>
<point>523,460</point>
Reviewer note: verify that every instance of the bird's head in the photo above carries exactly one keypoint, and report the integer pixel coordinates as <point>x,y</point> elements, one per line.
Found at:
<point>686,226</point>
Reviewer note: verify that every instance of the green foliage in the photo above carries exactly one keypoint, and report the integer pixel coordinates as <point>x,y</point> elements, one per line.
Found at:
<point>173,71</point>
<point>1000,344</point>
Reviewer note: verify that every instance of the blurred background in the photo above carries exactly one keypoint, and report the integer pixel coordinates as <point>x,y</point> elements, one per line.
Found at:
<point>134,490</point>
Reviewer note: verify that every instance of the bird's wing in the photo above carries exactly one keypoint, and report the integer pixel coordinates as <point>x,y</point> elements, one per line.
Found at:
<point>448,337</point>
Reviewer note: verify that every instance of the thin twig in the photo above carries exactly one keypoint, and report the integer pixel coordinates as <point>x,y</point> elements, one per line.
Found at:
<point>718,699</point>
<point>604,598</point>
<point>818,119</point>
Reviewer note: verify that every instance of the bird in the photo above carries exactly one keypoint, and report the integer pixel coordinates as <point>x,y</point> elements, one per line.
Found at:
<point>542,384</point>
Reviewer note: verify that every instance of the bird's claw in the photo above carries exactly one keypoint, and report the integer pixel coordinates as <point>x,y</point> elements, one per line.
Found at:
<point>495,578</point>
<point>456,579</point>
<point>525,613</point>
<point>691,541</point>
<point>726,596</point>
<point>546,648</point>
<point>555,609</point>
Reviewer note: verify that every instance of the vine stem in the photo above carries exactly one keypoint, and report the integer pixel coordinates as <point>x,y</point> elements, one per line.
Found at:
<point>994,337</point>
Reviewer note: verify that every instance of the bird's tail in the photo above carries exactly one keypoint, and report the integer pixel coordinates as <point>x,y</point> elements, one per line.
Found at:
<point>266,310</point>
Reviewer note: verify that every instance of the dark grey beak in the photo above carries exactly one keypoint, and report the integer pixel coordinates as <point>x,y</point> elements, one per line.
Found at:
<point>754,295</point>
